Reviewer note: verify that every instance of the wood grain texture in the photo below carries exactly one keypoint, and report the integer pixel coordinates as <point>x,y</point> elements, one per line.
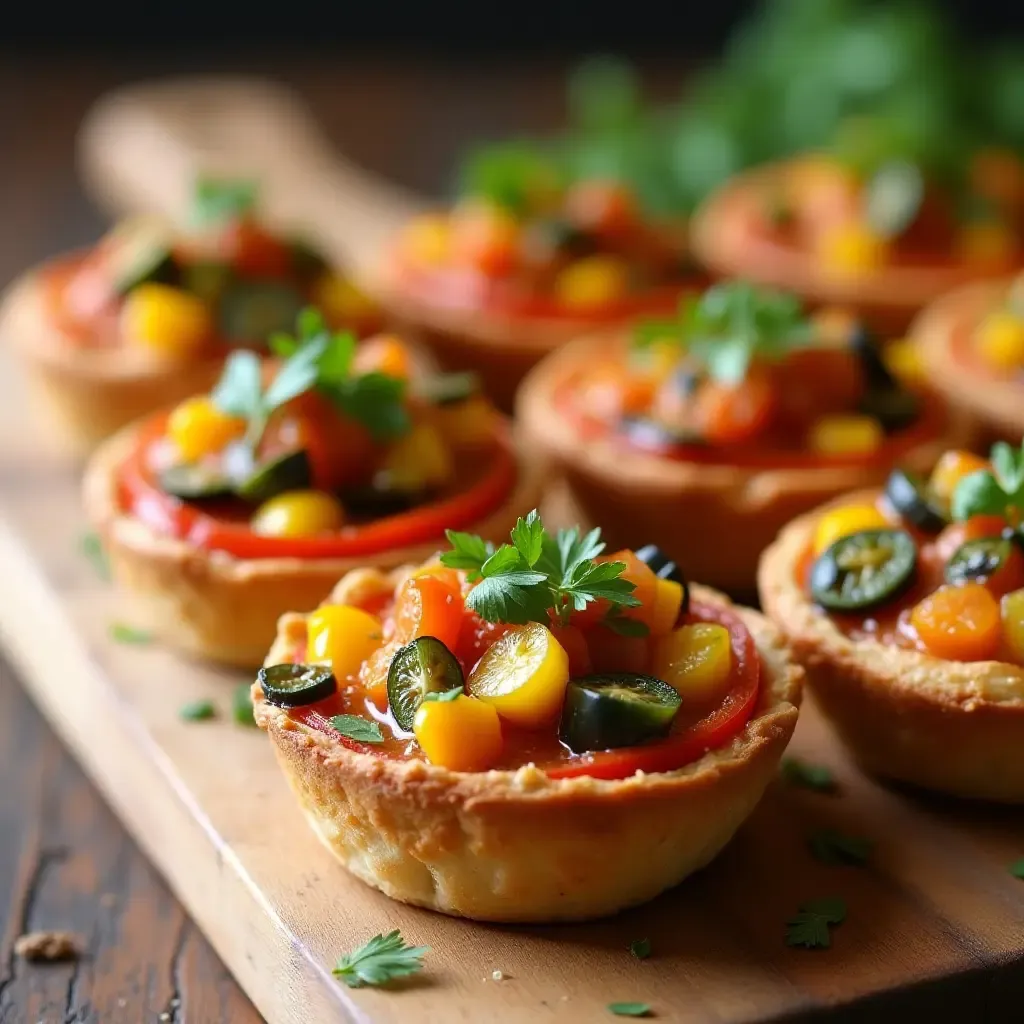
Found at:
<point>934,930</point>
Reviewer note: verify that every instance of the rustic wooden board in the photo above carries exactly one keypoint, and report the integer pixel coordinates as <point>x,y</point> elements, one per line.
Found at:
<point>935,927</point>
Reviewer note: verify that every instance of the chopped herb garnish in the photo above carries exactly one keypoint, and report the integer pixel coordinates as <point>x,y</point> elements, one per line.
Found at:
<point>356,728</point>
<point>92,547</point>
<point>539,576</point>
<point>197,711</point>
<point>444,696</point>
<point>640,948</point>
<point>384,958</point>
<point>241,704</point>
<point>630,1009</point>
<point>129,634</point>
<point>730,326</point>
<point>809,776</point>
<point>216,201</point>
<point>315,359</point>
<point>1017,869</point>
<point>998,491</point>
<point>831,847</point>
<point>810,927</point>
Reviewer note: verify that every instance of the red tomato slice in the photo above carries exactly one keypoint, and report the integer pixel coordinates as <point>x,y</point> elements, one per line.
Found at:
<point>693,741</point>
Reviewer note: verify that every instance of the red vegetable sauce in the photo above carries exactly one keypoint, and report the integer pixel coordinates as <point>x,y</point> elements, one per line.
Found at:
<point>697,728</point>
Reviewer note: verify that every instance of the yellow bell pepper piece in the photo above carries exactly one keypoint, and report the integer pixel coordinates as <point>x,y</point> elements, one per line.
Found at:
<point>853,248</point>
<point>668,600</point>
<point>903,360</point>
<point>197,428</point>
<point>842,522</point>
<point>845,435</point>
<point>342,637</point>
<point>951,468</point>
<point>427,239</point>
<point>166,320</point>
<point>298,514</point>
<point>419,459</point>
<point>523,675</point>
<point>462,734</point>
<point>1000,340</point>
<point>695,659</point>
<point>340,301</point>
<point>592,281</point>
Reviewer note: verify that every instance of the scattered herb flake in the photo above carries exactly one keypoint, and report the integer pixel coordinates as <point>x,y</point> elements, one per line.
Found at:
<point>807,775</point>
<point>445,696</point>
<point>640,948</point>
<point>197,711</point>
<point>384,958</point>
<point>241,705</point>
<point>1017,869</point>
<point>832,847</point>
<point>125,634</point>
<point>92,547</point>
<point>810,927</point>
<point>630,1009</point>
<point>359,729</point>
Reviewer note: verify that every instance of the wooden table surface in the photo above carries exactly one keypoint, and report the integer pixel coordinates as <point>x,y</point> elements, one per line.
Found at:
<point>65,862</point>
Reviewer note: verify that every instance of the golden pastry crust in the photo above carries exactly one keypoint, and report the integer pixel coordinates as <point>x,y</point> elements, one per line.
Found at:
<point>953,727</point>
<point>997,402</point>
<point>518,846</point>
<point>889,298</point>
<point>713,519</point>
<point>82,395</point>
<point>499,347</point>
<point>213,605</point>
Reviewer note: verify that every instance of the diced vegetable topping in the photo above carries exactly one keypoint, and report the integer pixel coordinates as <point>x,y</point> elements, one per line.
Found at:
<point>166,320</point>
<point>864,570</point>
<point>695,659</point>
<point>845,521</point>
<point>342,637</point>
<point>461,734</point>
<point>423,667</point>
<point>294,685</point>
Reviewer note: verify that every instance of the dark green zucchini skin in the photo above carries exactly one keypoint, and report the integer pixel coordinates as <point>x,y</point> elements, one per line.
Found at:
<point>847,577</point>
<point>292,686</point>
<point>422,667</point>
<point>288,472</point>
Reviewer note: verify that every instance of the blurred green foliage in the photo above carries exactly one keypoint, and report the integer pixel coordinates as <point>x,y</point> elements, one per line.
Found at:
<point>873,80</point>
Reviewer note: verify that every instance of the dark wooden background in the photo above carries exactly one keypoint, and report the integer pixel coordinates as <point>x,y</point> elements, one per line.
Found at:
<point>65,862</point>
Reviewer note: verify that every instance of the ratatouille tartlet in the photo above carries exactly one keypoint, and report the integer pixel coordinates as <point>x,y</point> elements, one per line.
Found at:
<point>971,346</point>
<point>502,278</point>
<point>868,226</point>
<point>534,732</point>
<point>246,502</point>
<point>708,432</point>
<point>906,607</point>
<point>148,315</point>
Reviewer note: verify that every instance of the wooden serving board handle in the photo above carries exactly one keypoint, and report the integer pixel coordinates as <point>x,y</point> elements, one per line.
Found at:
<point>142,147</point>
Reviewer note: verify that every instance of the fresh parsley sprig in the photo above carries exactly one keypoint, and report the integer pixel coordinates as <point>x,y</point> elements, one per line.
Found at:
<point>384,958</point>
<point>997,491</point>
<point>539,577</point>
<point>810,928</point>
<point>314,358</point>
<point>729,326</point>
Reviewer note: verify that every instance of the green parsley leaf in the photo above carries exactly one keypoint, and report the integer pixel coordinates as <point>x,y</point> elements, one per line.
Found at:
<point>809,776</point>
<point>239,392</point>
<point>640,948</point>
<point>997,491</point>
<point>124,634</point>
<point>832,847</point>
<point>731,325</point>
<point>469,552</point>
<point>445,696</point>
<point>241,705</point>
<point>197,711</point>
<point>514,175</point>
<point>538,576</point>
<point>810,927</point>
<point>218,200</point>
<point>630,1009</point>
<point>383,959</point>
<point>1017,869</point>
<point>359,729</point>
<point>92,547</point>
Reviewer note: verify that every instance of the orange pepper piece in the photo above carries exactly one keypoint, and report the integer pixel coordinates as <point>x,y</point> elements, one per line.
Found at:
<point>731,414</point>
<point>959,623</point>
<point>429,606</point>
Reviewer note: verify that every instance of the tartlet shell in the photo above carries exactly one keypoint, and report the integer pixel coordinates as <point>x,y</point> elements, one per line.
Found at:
<point>518,846</point>
<point>997,403</point>
<point>213,605</point>
<point>713,519</point>
<point>952,727</point>
<point>888,298</point>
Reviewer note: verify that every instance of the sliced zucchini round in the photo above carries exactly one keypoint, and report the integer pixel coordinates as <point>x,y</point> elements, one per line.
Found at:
<point>866,347</point>
<point>909,497</point>
<point>620,709</point>
<point>421,667</point>
<point>864,570</point>
<point>979,559</point>
<point>250,311</point>
<point>195,482</point>
<point>291,686</point>
<point>372,502</point>
<point>288,472</point>
<point>894,408</point>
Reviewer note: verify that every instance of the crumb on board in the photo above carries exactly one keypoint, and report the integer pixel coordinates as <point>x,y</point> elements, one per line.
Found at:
<point>497,976</point>
<point>48,947</point>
